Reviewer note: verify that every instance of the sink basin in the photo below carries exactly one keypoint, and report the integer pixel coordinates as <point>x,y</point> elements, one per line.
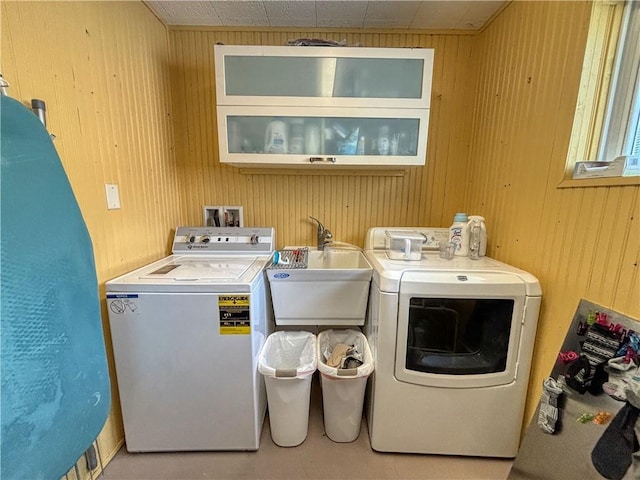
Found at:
<point>333,264</point>
<point>332,290</point>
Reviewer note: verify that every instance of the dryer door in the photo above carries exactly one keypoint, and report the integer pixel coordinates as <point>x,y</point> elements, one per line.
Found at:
<point>459,330</point>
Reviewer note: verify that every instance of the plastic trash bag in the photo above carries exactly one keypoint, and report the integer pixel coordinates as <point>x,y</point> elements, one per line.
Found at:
<point>288,354</point>
<point>327,341</point>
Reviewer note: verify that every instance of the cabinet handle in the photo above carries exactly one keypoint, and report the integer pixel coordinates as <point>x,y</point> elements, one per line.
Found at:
<point>323,159</point>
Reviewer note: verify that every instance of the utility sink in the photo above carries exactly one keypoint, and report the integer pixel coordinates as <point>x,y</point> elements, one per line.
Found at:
<point>332,290</point>
<point>334,264</point>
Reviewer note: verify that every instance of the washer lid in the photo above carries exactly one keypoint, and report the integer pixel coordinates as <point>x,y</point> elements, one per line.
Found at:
<point>209,268</point>
<point>193,273</point>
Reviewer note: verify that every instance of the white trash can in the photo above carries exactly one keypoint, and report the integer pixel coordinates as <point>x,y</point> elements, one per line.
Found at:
<point>343,388</point>
<point>287,361</point>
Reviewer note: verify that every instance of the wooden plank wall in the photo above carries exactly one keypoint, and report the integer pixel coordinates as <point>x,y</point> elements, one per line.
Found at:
<point>518,81</point>
<point>501,118</point>
<point>347,205</point>
<point>101,68</point>
<point>580,242</point>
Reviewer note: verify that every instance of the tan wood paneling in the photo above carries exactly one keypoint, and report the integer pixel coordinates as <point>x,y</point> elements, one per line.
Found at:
<point>580,242</point>
<point>101,68</point>
<point>502,108</point>
<point>347,205</point>
<point>518,81</point>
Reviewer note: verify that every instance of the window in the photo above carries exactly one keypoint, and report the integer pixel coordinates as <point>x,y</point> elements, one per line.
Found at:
<point>621,134</point>
<point>607,119</point>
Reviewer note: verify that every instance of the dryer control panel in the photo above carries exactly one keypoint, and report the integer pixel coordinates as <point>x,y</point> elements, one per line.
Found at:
<point>228,240</point>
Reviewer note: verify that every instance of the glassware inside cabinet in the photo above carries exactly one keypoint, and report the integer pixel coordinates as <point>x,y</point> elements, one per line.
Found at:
<point>288,135</point>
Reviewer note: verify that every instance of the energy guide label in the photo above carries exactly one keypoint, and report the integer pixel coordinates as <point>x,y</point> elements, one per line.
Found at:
<point>234,315</point>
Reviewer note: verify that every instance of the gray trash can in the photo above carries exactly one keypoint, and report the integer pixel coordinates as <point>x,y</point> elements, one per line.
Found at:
<point>343,388</point>
<point>287,361</point>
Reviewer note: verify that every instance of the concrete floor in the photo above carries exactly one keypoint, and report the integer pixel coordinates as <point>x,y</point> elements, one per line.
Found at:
<point>317,458</point>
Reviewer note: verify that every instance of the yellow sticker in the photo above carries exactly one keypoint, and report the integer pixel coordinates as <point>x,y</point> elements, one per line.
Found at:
<point>235,330</point>
<point>235,318</point>
<point>233,301</point>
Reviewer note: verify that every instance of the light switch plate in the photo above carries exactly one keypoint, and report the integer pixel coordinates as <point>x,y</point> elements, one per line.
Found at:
<point>113,196</point>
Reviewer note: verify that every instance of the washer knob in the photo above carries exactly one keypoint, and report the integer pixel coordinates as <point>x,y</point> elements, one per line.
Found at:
<point>254,239</point>
<point>205,239</point>
<point>191,238</point>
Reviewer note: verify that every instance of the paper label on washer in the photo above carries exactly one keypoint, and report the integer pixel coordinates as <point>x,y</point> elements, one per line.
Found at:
<point>123,303</point>
<point>234,315</point>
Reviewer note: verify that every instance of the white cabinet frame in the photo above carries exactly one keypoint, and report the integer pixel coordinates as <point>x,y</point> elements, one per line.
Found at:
<point>353,107</point>
<point>265,160</point>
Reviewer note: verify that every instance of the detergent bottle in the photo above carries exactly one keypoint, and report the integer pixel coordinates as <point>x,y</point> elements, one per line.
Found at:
<point>459,234</point>
<point>276,137</point>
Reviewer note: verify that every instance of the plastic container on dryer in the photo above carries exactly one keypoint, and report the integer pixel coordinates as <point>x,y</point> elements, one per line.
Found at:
<point>403,245</point>
<point>479,220</point>
<point>459,234</point>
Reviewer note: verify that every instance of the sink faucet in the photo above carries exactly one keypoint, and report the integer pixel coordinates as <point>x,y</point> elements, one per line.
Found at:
<point>324,235</point>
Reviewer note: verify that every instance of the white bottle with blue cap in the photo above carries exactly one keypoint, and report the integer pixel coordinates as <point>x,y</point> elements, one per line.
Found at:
<point>459,234</point>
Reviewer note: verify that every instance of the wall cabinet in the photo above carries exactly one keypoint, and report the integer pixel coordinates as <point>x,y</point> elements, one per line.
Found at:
<point>335,106</point>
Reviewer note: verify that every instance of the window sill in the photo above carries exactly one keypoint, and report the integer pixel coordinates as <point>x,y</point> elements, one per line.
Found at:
<point>599,182</point>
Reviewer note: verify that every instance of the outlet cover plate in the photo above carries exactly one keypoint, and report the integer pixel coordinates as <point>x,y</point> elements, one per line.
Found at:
<point>113,196</point>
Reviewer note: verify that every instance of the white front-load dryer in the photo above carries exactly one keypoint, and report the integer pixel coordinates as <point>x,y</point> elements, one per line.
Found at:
<point>452,342</point>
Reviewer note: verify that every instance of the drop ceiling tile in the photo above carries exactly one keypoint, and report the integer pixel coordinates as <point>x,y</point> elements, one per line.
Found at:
<point>291,13</point>
<point>307,22</point>
<point>290,9</point>
<point>159,10</point>
<point>246,21</point>
<point>391,10</point>
<point>439,14</point>
<point>208,21</point>
<point>353,11</point>
<point>387,23</point>
<point>424,14</point>
<point>179,11</point>
<point>342,22</point>
<point>249,9</point>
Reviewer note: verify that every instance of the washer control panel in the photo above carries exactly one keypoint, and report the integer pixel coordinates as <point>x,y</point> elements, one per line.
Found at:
<point>226,240</point>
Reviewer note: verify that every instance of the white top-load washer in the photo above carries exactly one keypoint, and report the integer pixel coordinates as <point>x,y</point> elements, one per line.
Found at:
<point>186,334</point>
<point>452,342</point>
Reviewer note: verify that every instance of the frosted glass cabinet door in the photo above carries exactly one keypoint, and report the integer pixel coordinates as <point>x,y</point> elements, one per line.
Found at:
<point>334,106</point>
<point>323,76</point>
<point>295,135</point>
